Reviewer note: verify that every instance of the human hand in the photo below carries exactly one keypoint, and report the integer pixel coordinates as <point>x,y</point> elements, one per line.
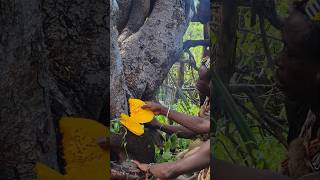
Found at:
<point>156,108</point>
<point>143,167</point>
<point>161,171</point>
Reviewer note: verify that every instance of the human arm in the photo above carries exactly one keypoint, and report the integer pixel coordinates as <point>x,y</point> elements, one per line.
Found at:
<point>169,170</point>
<point>179,130</point>
<point>194,123</point>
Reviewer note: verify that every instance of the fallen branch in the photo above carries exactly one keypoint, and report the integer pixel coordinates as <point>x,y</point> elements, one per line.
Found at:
<point>122,175</point>
<point>126,170</point>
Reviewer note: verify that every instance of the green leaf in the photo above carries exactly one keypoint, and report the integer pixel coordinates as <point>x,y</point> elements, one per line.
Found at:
<point>230,107</point>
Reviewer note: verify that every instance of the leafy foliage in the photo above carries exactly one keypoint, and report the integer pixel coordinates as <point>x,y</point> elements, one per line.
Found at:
<point>261,103</point>
<point>180,97</point>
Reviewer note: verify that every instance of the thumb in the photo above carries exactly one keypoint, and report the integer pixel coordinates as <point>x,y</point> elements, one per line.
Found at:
<point>145,106</point>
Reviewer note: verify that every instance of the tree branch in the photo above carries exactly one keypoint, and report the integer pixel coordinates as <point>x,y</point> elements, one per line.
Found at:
<point>259,34</point>
<point>193,43</point>
<point>275,126</point>
<point>271,14</point>
<point>268,8</point>
<point>244,87</point>
<point>192,61</point>
<point>264,123</point>
<point>265,42</point>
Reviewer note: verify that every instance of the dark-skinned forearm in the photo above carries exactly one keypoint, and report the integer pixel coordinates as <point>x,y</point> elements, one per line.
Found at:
<point>195,162</point>
<point>180,131</point>
<point>194,123</point>
<point>223,170</point>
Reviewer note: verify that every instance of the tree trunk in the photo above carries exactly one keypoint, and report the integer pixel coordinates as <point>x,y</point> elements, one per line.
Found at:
<point>27,131</point>
<point>139,11</point>
<point>77,39</point>
<point>227,41</point>
<point>54,62</point>
<point>118,88</point>
<point>122,14</point>
<point>149,53</point>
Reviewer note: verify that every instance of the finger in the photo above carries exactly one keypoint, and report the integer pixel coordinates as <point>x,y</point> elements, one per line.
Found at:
<point>148,102</point>
<point>136,162</point>
<point>147,175</point>
<point>146,106</point>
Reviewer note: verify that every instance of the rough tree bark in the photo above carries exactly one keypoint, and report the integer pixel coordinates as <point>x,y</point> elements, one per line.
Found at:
<point>139,11</point>
<point>77,37</point>
<point>118,88</point>
<point>122,14</point>
<point>54,62</point>
<point>226,48</point>
<point>150,42</point>
<point>136,147</point>
<point>149,53</point>
<point>64,71</point>
<point>27,132</point>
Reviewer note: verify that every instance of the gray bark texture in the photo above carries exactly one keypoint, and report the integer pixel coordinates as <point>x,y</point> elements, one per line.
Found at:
<point>77,37</point>
<point>54,61</point>
<point>27,130</point>
<point>150,42</point>
<point>150,50</point>
<point>149,53</point>
<point>122,14</point>
<point>139,12</point>
<point>118,88</point>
